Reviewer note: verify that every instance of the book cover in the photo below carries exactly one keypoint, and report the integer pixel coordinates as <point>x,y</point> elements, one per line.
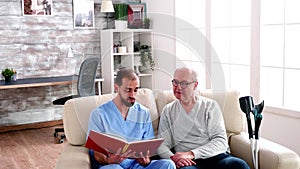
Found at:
<point>105,143</point>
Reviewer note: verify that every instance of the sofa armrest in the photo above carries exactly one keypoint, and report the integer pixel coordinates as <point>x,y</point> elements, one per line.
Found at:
<point>270,155</point>
<point>74,157</point>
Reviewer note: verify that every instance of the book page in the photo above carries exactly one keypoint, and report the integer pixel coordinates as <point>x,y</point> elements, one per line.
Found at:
<point>143,146</point>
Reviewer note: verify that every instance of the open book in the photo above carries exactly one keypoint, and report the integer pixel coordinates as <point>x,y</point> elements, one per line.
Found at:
<point>105,143</point>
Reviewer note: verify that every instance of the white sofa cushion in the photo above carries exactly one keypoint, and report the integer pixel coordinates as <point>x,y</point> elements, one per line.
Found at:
<point>76,116</point>
<point>146,98</point>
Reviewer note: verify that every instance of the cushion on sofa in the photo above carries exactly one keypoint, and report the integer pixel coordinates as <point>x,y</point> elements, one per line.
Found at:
<point>162,98</point>
<point>147,99</point>
<point>76,116</point>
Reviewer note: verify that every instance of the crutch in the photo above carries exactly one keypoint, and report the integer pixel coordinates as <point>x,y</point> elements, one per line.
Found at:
<point>257,118</point>
<point>247,106</point>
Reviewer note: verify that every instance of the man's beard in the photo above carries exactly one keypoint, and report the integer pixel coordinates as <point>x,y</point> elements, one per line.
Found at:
<point>128,104</point>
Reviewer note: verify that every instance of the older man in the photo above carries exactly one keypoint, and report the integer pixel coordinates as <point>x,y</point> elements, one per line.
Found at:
<point>193,128</point>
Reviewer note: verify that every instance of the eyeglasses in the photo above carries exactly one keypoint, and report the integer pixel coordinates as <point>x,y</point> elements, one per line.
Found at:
<point>183,84</point>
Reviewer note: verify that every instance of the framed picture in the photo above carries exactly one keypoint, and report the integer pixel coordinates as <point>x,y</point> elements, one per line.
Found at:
<point>136,15</point>
<point>37,7</point>
<point>83,13</point>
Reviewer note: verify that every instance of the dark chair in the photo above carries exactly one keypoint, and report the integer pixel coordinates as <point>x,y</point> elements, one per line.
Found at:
<point>85,86</point>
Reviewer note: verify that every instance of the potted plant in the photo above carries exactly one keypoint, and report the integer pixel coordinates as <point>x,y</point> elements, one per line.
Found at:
<point>147,23</point>
<point>120,15</point>
<point>146,57</point>
<point>7,74</point>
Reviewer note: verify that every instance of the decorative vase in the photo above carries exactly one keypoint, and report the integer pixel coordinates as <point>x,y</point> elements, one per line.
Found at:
<point>147,25</point>
<point>120,24</point>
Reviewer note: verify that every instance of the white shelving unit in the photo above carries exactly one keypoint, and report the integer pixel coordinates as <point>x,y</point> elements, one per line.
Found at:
<point>111,60</point>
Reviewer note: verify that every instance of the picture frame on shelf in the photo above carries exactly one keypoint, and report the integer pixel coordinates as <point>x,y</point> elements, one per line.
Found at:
<point>83,14</point>
<point>137,12</point>
<point>37,7</point>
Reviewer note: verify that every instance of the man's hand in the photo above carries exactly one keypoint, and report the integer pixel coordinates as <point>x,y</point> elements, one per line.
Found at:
<point>144,160</point>
<point>182,159</point>
<point>111,158</point>
<point>100,157</point>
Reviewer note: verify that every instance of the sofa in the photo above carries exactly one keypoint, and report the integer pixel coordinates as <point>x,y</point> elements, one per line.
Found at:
<point>76,116</point>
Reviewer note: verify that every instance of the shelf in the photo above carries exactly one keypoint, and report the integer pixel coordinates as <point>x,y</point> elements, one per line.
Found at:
<point>111,60</point>
<point>144,74</point>
<point>135,53</point>
<point>127,30</point>
<point>117,54</point>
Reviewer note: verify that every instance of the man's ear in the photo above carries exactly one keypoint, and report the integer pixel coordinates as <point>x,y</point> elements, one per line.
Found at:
<point>116,87</point>
<point>195,85</point>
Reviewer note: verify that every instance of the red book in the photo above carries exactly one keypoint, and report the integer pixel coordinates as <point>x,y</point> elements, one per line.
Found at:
<point>105,143</point>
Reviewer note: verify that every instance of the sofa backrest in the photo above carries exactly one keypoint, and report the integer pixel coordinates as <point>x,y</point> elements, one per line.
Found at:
<point>228,102</point>
<point>77,111</point>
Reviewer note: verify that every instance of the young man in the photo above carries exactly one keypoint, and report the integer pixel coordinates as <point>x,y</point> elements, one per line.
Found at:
<point>194,128</point>
<point>125,117</point>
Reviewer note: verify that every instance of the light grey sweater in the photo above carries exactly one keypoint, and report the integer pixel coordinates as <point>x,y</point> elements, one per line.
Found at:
<point>201,131</point>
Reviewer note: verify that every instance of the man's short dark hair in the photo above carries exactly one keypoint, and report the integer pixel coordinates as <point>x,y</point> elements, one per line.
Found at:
<point>125,73</point>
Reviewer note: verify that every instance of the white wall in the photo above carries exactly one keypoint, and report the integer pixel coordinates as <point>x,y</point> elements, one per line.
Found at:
<point>282,127</point>
<point>162,15</point>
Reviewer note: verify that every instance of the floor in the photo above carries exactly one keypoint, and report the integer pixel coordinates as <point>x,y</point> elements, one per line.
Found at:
<point>30,149</point>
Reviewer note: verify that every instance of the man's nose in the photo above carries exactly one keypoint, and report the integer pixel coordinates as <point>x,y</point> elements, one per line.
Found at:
<point>179,86</point>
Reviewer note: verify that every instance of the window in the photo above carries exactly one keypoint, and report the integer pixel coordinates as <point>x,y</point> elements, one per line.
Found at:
<point>280,53</point>
<point>269,69</point>
<point>190,26</point>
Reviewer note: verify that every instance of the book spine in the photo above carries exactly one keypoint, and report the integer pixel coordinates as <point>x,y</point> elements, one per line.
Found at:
<point>125,148</point>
